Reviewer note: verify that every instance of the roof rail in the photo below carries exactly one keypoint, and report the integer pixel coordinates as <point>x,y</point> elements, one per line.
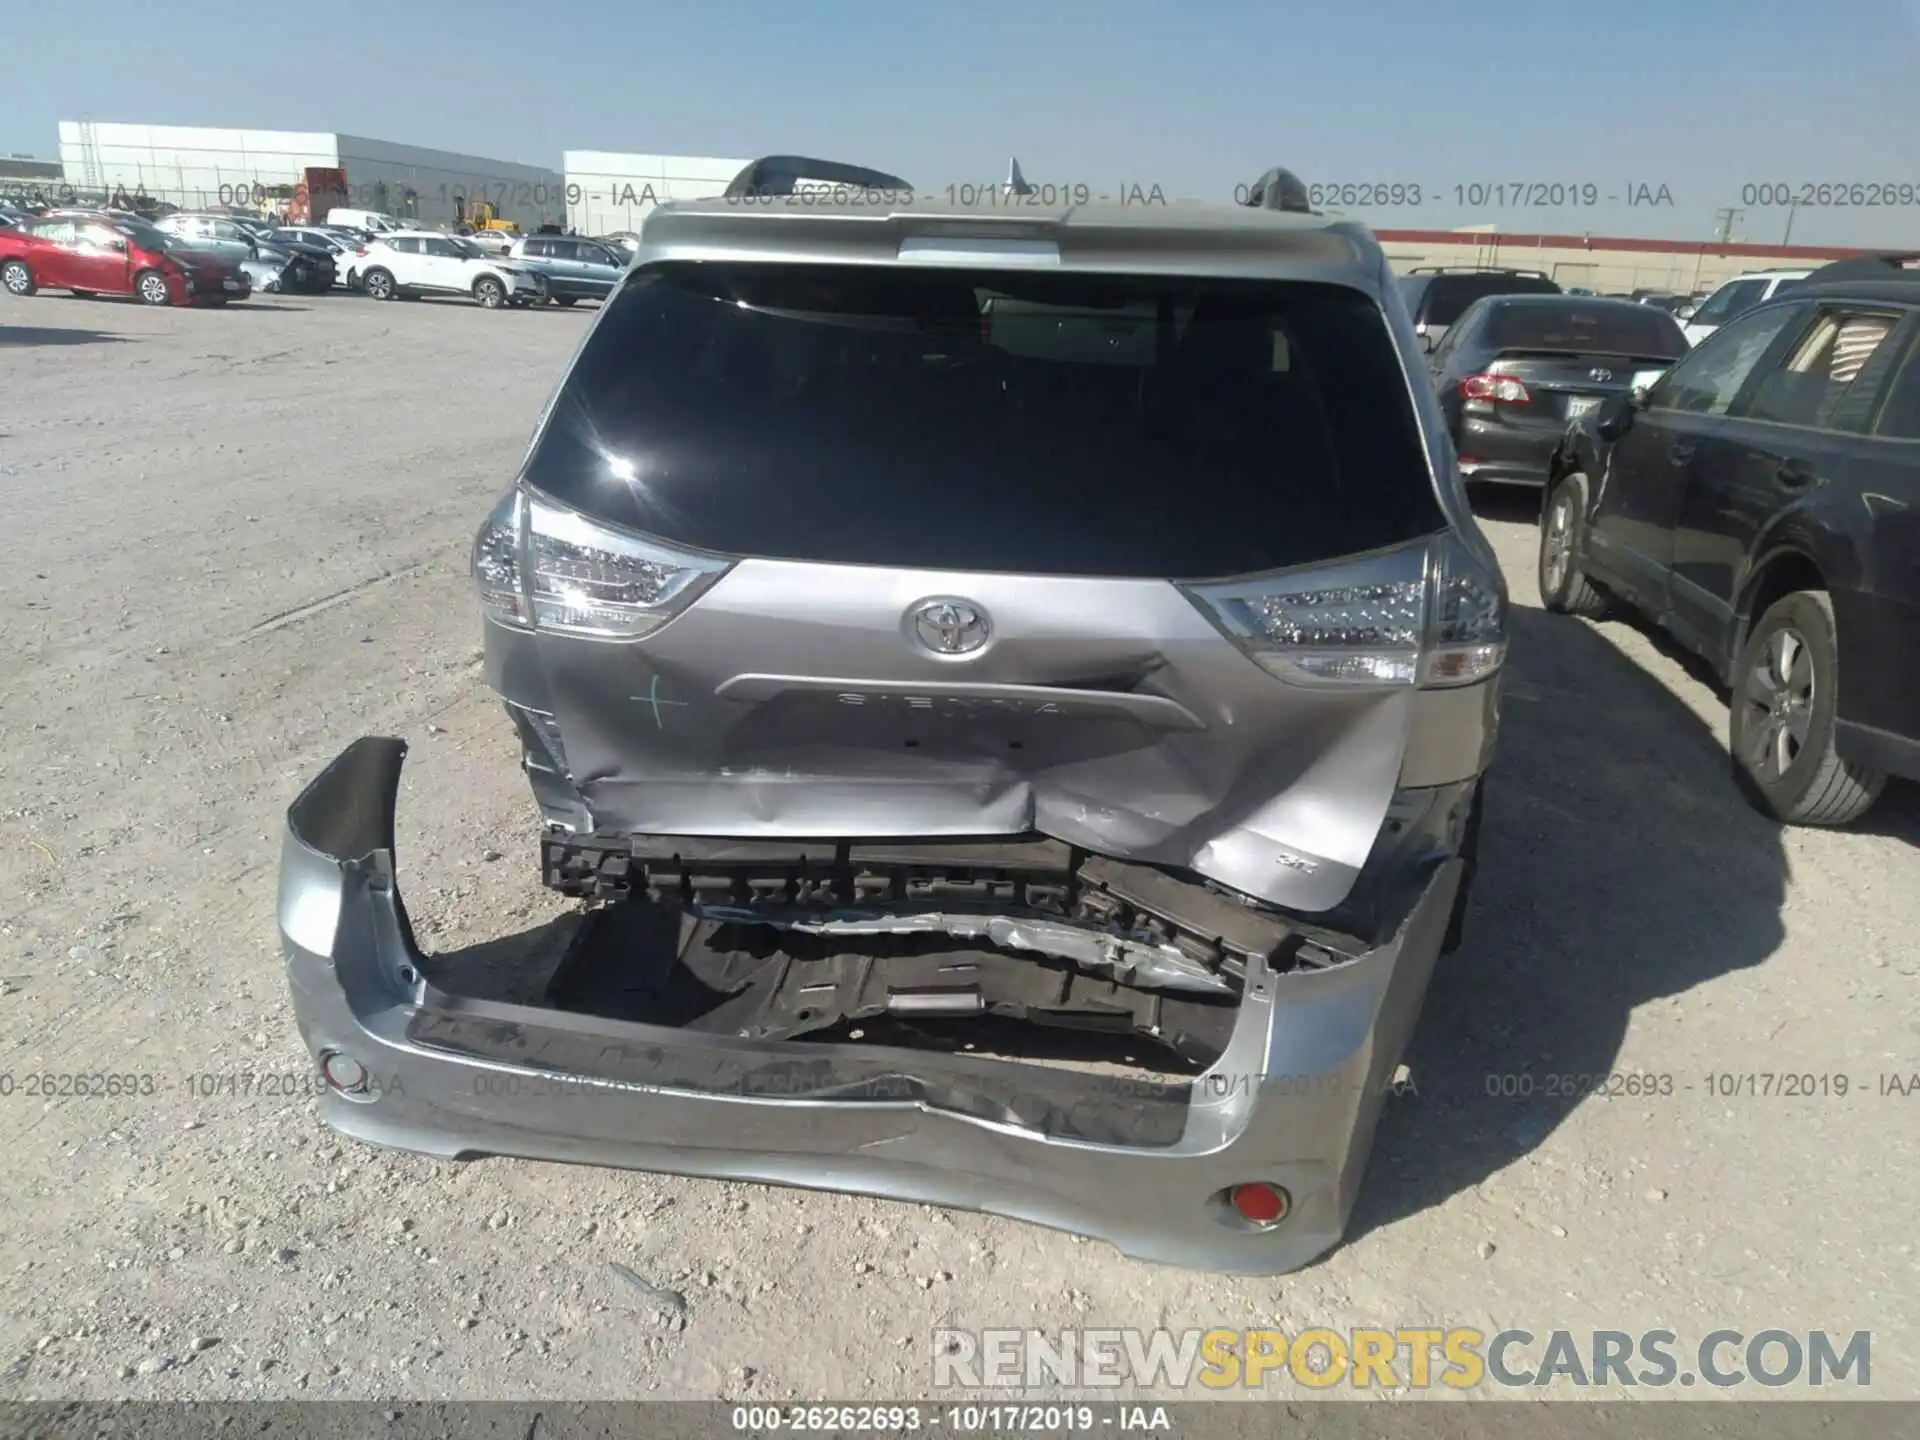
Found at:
<point>1894,265</point>
<point>1280,189</point>
<point>786,174</point>
<point>1476,270</point>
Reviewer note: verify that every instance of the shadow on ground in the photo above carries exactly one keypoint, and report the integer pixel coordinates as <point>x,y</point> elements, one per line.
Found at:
<point>1618,866</point>
<point>31,335</point>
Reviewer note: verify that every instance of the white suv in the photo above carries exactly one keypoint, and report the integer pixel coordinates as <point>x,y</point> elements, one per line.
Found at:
<point>425,262</point>
<point>1742,292</point>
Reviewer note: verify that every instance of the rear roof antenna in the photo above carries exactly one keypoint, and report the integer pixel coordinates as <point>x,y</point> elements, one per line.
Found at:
<point>1016,182</point>
<point>1280,189</point>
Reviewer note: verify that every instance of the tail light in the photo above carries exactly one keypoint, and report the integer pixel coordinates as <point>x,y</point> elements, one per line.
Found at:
<point>1495,390</point>
<point>1430,614</point>
<point>539,567</point>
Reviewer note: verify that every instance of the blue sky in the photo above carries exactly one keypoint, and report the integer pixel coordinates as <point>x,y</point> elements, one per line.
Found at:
<point>1702,96</point>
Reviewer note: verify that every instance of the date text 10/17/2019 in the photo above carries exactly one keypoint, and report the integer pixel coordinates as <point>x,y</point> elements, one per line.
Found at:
<point>1562,194</point>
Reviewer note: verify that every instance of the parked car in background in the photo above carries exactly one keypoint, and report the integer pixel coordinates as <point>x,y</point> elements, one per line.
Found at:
<point>1741,293</point>
<point>625,240</point>
<point>1514,369</point>
<point>93,256</point>
<point>425,262</point>
<point>490,242</point>
<point>341,251</point>
<point>373,222</point>
<point>275,265</point>
<point>201,225</point>
<point>1436,296</point>
<point>574,268</point>
<point>1761,501</point>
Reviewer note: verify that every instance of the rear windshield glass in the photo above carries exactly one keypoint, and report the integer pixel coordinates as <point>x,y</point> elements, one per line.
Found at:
<point>1571,326</point>
<point>1729,300</point>
<point>1448,296</point>
<point>1043,424</point>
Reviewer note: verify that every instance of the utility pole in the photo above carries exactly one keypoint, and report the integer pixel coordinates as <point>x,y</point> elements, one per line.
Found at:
<point>1792,205</point>
<point>1723,222</point>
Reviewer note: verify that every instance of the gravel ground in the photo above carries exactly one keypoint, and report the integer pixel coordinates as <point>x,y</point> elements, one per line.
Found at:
<point>239,540</point>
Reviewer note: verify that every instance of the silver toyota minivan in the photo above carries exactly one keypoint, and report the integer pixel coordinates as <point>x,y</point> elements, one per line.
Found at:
<point>1010,686</point>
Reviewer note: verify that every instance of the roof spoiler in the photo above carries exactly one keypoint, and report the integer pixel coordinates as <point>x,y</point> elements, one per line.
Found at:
<point>1280,189</point>
<point>1894,265</point>
<point>788,174</point>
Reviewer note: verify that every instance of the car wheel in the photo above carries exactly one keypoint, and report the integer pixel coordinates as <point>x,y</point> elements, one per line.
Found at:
<point>17,278</point>
<point>378,284</point>
<point>489,292</point>
<point>151,286</point>
<point>1564,586</point>
<point>1785,703</point>
<point>563,301</point>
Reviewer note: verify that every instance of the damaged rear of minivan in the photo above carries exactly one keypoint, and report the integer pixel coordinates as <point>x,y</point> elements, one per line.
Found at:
<point>1010,693</point>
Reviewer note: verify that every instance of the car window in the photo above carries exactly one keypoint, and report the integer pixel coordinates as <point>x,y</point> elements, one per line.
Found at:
<point>1577,328</point>
<point>1709,378</point>
<point>1828,379</point>
<point>435,245</point>
<point>147,237</point>
<point>1141,426</point>
<point>101,237</point>
<point>1729,300</point>
<point>1462,328</point>
<point>404,244</point>
<point>1900,416</point>
<point>59,232</point>
<point>1448,297</point>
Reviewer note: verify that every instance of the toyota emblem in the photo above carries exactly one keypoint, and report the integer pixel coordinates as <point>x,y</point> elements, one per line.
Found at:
<point>949,627</point>
<point>1601,375</point>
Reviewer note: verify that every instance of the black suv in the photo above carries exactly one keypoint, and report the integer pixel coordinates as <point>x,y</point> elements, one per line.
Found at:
<point>1438,295</point>
<point>1761,501</point>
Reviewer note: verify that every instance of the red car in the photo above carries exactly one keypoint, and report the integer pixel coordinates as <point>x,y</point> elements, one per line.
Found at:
<point>100,256</point>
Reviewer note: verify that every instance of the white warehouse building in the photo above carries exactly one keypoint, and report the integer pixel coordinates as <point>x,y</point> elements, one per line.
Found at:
<point>197,167</point>
<point>609,190</point>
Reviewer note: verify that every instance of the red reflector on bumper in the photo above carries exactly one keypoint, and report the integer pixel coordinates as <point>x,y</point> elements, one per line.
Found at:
<point>1260,1203</point>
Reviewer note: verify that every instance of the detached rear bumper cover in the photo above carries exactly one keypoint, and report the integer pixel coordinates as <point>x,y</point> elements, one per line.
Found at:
<point>1292,1101</point>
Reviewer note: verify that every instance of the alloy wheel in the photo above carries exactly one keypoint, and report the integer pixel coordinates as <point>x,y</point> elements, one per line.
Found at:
<point>1778,694</point>
<point>1557,544</point>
